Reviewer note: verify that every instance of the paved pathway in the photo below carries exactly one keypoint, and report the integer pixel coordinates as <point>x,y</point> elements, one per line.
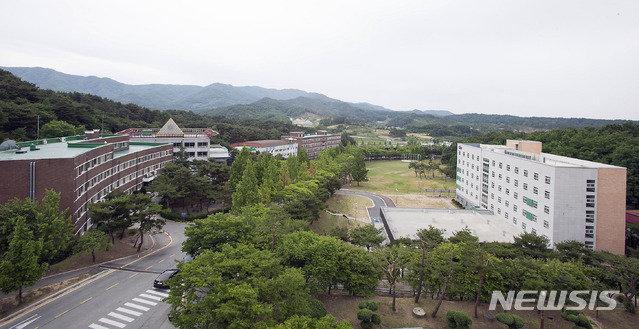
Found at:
<point>374,211</point>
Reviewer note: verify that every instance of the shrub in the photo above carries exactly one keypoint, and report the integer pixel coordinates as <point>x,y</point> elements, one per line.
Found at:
<point>580,321</point>
<point>513,321</point>
<point>376,319</point>
<point>458,320</point>
<point>365,315</point>
<point>369,304</point>
<point>317,308</point>
<point>366,325</point>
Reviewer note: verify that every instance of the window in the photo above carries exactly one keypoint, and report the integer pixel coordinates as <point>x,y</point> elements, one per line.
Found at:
<point>535,190</point>
<point>516,170</point>
<point>546,224</point>
<point>515,220</point>
<point>499,176</point>
<point>500,165</point>
<point>546,209</point>
<point>547,179</point>
<point>536,176</point>
<point>506,215</point>
<point>507,179</point>
<point>498,199</point>
<point>507,191</point>
<point>546,194</point>
<point>523,225</point>
<point>202,144</point>
<point>516,182</point>
<point>189,144</point>
<point>177,145</point>
<point>525,172</point>
<point>492,195</point>
<point>493,174</point>
<point>590,232</point>
<point>525,186</point>
<point>499,188</point>
<point>590,216</point>
<point>590,185</point>
<point>590,201</point>
<point>507,167</point>
<point>515,207</point>
<point>507,203</point>
<point>516,195</point>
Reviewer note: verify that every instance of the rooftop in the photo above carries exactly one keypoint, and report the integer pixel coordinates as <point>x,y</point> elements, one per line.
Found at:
<point>65,150</point>
<point>543,158</point>
<point>405,222</point>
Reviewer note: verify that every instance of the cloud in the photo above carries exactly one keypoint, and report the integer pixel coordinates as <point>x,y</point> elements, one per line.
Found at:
<point>546,58</point>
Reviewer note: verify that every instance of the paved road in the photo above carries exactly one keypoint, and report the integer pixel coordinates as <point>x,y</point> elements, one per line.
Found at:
<point>121,295</point>
<point>374,211</point>
<point>378,201</point>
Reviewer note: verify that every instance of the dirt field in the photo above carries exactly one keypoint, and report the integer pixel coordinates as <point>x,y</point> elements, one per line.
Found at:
<point>343,306</point>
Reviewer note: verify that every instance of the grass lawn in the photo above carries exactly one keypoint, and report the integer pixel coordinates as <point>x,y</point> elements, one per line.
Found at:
<point>394,177</point>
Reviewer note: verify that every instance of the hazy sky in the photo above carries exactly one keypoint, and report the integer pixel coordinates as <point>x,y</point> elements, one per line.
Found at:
<point>528,58</point>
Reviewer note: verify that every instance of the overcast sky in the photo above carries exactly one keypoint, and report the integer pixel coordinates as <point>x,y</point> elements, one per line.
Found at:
<point>528,58</point>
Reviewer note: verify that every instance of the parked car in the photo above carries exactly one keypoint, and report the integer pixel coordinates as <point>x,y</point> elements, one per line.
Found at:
<point>161,280</point>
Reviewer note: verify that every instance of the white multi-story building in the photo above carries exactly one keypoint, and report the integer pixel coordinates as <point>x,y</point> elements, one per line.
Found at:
<point>558,197</point>
<point>195,141</point>
<point>274,147</point>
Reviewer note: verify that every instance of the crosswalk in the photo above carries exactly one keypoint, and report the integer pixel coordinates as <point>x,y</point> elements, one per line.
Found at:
<point>130,310</point>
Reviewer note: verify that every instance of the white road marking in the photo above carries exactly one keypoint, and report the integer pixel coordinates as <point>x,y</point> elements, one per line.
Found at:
<point>27,322</point>
<point>136,306</point>
<point>121,317</point>
<point>113,323</point>
<point>128,311</point>
<point>144,301</point>
<point>151,297</point>
<point>159,293</point>
<point>96,326</point>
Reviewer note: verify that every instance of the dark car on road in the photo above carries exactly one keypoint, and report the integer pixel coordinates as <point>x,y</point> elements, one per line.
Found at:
<point>161,280</point>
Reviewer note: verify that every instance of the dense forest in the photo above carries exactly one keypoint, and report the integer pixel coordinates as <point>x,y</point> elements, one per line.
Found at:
<point>21,103</point>
<point>615,144</point>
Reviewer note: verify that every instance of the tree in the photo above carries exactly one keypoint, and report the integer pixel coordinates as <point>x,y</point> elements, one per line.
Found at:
<point>213,232</point>
<point>533,245</point>
<point>358,170</point>
<point>44,219</point>
<point>391,263</point>
<point>246,191</point>
<point>428,239</point>
<point>143,211</point>
<point>444,263</point>
<point>357,270</point>
<point>90,241</point>
<point>367,236</point>
<point>238,166</point>
<point>20,265</point>
<point>59,128</point>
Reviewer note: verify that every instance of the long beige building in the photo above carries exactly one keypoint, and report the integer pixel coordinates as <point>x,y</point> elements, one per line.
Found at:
<point>558,197</point>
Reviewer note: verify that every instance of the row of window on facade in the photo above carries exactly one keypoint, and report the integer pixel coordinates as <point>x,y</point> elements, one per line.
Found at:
<point>191,144</point>
<point>98,160</point>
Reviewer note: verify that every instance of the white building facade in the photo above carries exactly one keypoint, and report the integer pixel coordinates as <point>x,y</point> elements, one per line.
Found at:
<point>558,197</point>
